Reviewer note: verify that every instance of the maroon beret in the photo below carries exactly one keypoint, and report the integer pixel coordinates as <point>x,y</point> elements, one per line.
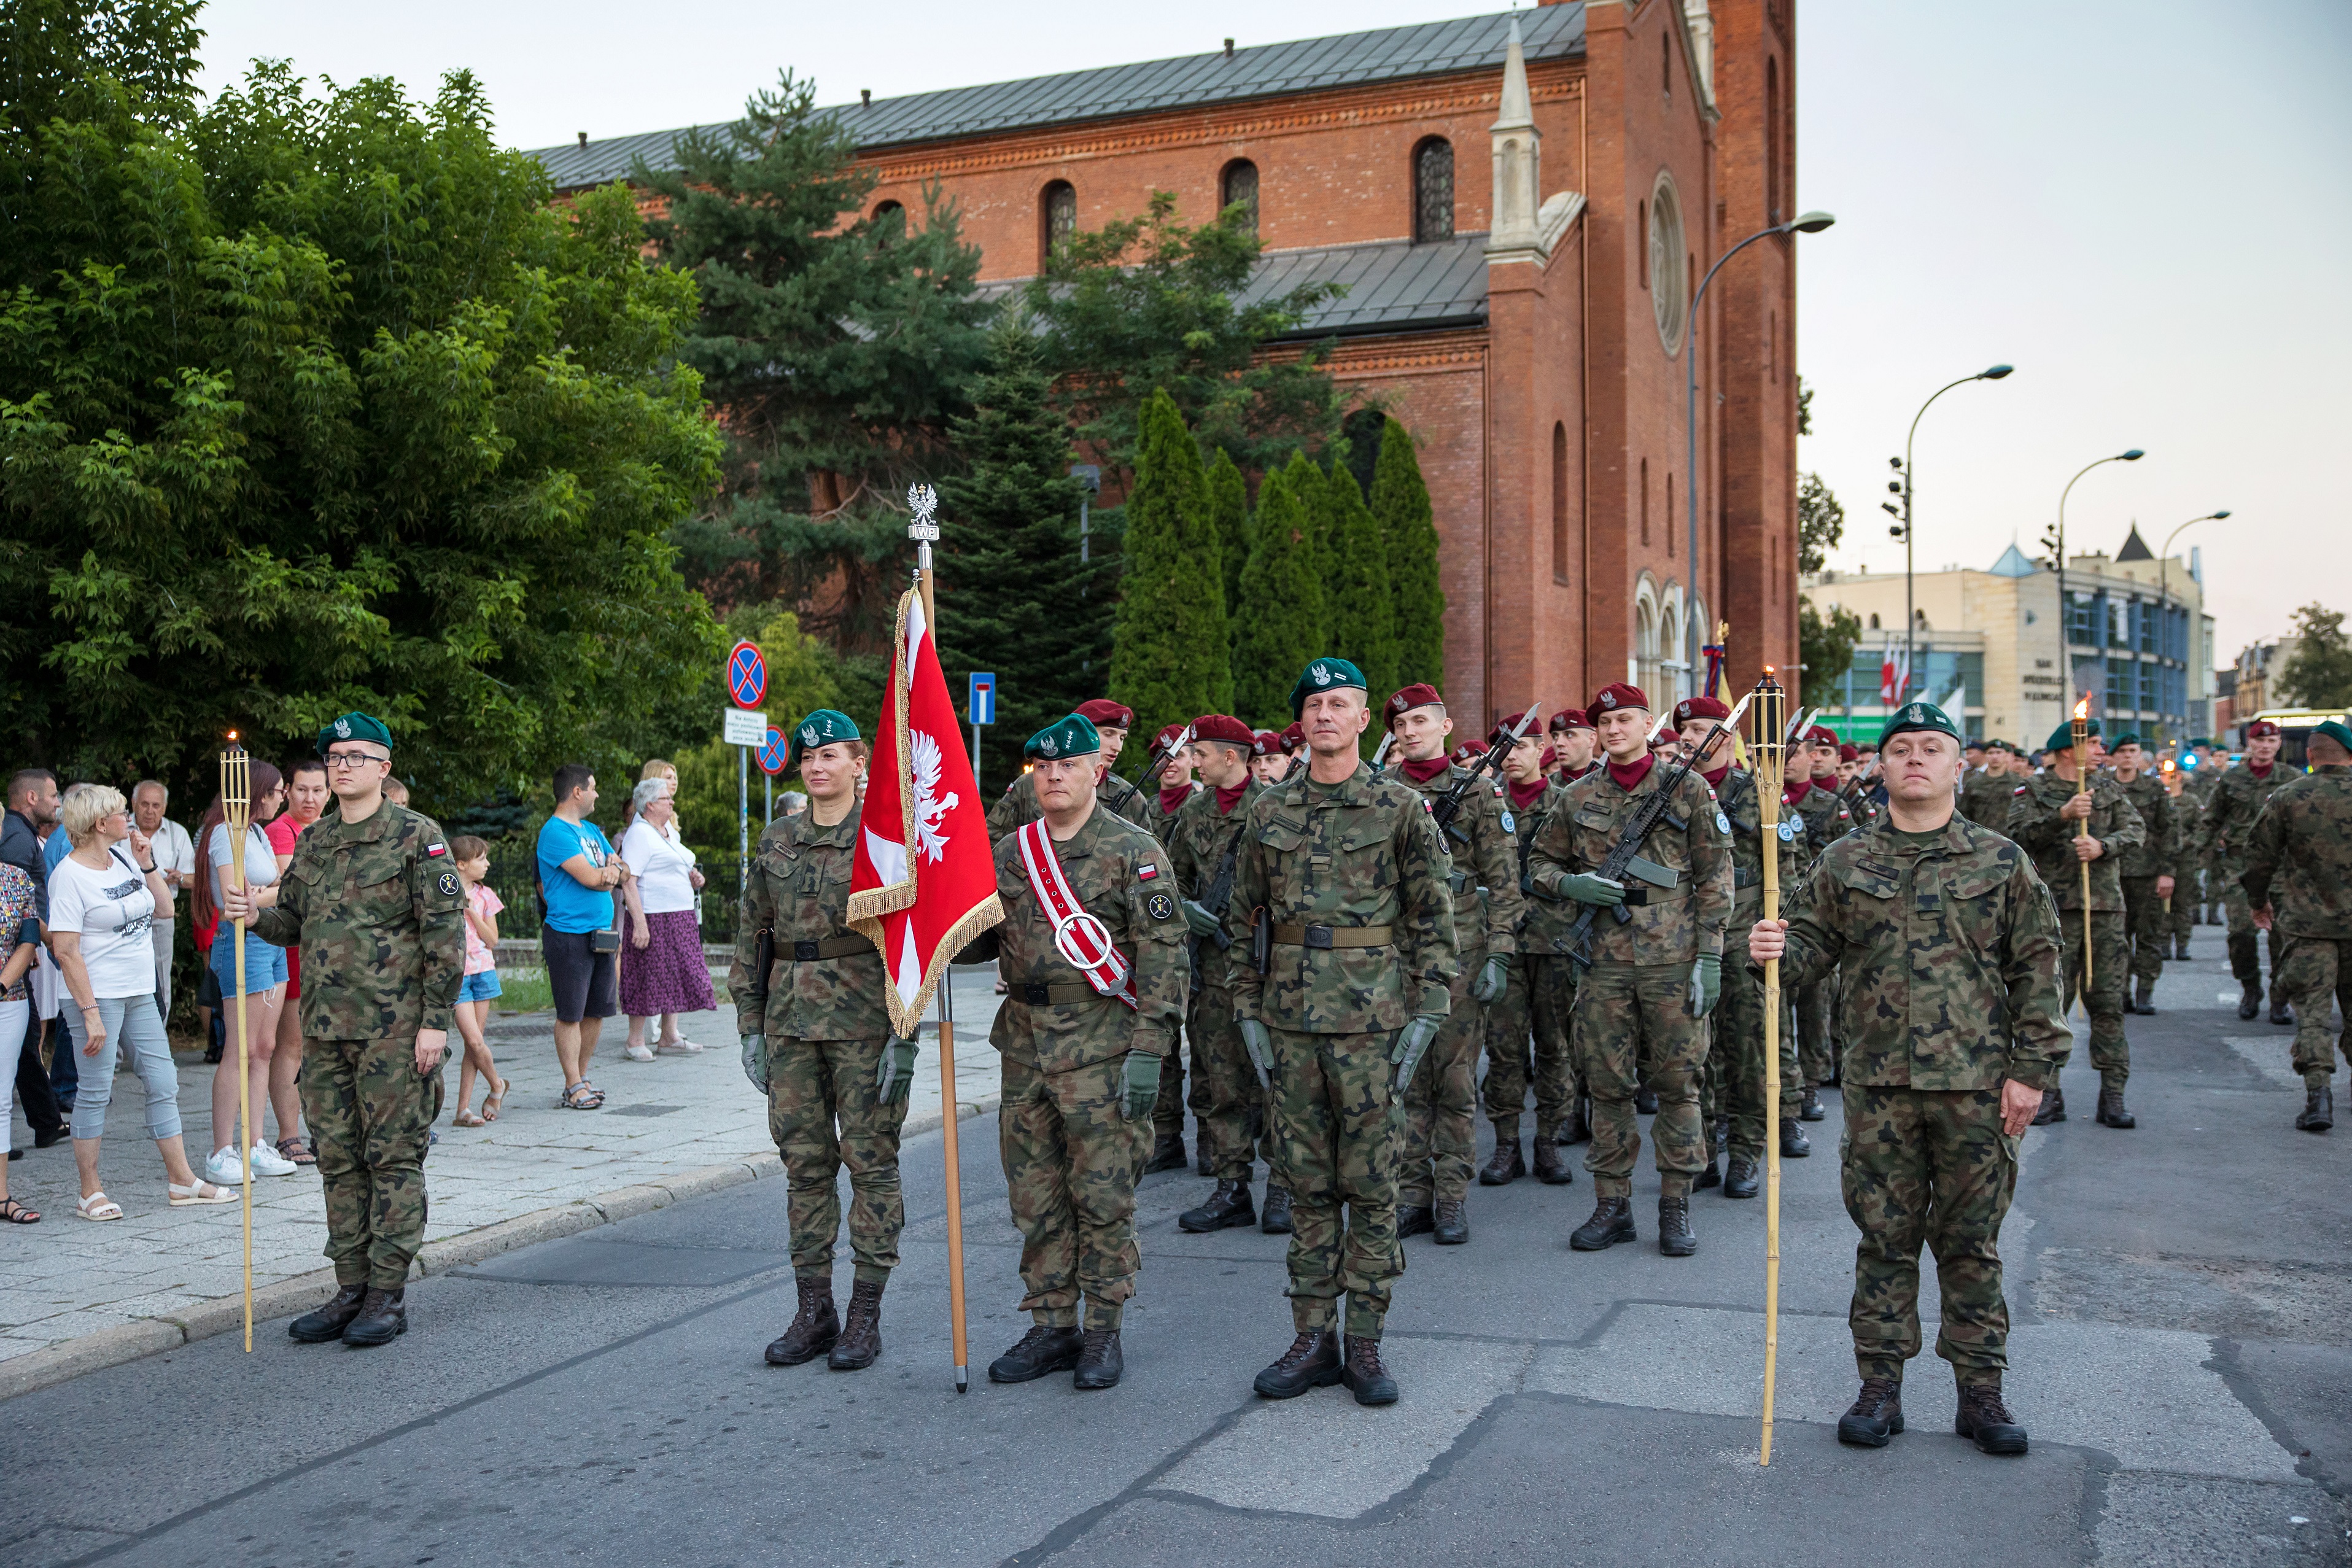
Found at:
<point>2261,728</point>
<point>1690,708</point>
<point>1167,736</point>
<point>1223,727</point>
<point>1102,712</point>
<point>1849,752</point>
<point>1614,696</point>
<point>1821,735</point>
<point>1569,719</point>
<point>1469,751</point>
<point>1293,737</point>
<point>1419,695</point>
<point>1510,721</point>
<point>1266,744</point>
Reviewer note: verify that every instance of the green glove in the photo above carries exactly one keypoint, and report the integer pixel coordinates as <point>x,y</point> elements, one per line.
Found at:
<point>896,1078</point>
<point>1198,918</point>
<point>1584,887</point>
<point>1411,1042</point>
<point>1493,976</point>
<point>1259,1044</point>
<point>1707,985</point>
<point>755,1061</point>
<point>1142,1083</point>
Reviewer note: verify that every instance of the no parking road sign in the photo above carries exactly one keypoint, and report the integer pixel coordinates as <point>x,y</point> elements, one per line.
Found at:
<point>771,753</point>
<point>746,675</point>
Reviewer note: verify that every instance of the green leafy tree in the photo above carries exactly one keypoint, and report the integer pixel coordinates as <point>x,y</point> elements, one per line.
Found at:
<point>1363,610</point>
<point>314,403</point>
<point>1399,503</point>
<point>2318,672</point>
<point>1229,507</point>
<point>839,345</point>
<point>1168,654</point>
<point>1821,524</point>
<point>1313,492</point>
<point>1824,648</point>
<point>1012,598</point>
<point>1147,304</point>
<point>1276,631</point>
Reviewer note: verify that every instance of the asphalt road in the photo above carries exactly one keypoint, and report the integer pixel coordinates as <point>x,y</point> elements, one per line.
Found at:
<point>2182,1354</point>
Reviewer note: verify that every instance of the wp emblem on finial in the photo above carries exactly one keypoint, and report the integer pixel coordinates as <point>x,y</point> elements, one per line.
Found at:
<point>924,502</point>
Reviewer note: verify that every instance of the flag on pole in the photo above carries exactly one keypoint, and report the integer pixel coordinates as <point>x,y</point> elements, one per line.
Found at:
<point>923,883</point>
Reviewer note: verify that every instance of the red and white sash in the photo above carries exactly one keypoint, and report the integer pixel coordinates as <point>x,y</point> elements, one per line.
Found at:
<point>1079,936</point>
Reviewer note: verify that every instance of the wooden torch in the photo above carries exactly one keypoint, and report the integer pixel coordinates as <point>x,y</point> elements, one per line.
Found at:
<point>2082,828</point>
<point>236,818</point>
<point>1769,751</point>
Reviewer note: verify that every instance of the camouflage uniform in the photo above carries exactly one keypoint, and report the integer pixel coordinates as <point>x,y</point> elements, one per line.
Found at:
<point>2203,898</point>
<point>2148,924</point>
<point>1528,1026</point>
<point>2034,823</point>
<point>1198,839</point>
<point>1630,1002</point>
<point>1439,1145</point>
<point>1168,1111</point>
<point>1353,880</point>
<point>1825,821</point>
<point>1155,818</point>
<point>1950,947</point>
<point>821,1007</point>
<point>1070,1153</point>
<point>2239,797</point>
<point>2299,861</point>
<point>1017,806</point>
<point>1984,798</point>
<point>1736,1058</point>
<point>380,916</point>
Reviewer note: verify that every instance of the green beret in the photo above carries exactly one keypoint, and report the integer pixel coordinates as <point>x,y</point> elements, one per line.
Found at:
<point>1074,736</point>
<point>2125,739</point>
<point>2336,731</point>
<point>354,727</point>
<point>2202,740</point>
<point>1326,675</point>
<point>1918,716</point>
<point>820,728</point>
<point>2061,739</point>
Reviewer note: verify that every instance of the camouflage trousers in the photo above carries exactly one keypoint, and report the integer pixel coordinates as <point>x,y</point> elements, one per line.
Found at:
<point>1631,1028</point>
<point>1335,1115</point>
<point>2110,965</point>
<point>2245,950</point>
<point>1920,1165</point>
<point>2313,971</point>
<point>824,1112</point>
<point>371,1114</point>
<point>1233,1119</point>
<point>1735,1054</point>
<point>1440,1146</point>
<point>2149,926</point>
<point>2187,894</point>
<point>1527,1047</point>
<point>1816,1049</point>
<point>1070,1160</point>
<point>1168,1111</point>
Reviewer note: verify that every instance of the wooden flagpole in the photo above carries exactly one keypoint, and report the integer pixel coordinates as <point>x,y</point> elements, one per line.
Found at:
<point>237,807</point>
<point>2082,830</point>
<point>1772,746</point>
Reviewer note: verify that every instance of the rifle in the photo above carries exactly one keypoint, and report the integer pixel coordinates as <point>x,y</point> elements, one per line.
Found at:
<point>1386,742</point>
<point>1220,891</point>
<point>1626,857</point>
<point>1450,804</point>
<point>1159,759</point>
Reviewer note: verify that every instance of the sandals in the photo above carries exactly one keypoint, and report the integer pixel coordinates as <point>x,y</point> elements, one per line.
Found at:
<point>193,1196</point>
<point>495,1101</point>
<point>14,1212</point>
<point>297,1149</point>
<point>465,1119</point>
<point>99,1207</point>
<point>582,1096</point>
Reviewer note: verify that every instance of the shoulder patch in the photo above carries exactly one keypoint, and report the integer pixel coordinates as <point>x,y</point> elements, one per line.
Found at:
<point>1147,872</point>
<point>1510,824</point>
<point>436,848</point>
<point>2020,790</point>
<point>1723,823</point>
<point>1788,831</point>
<point>1160,906</point>
<point>447,883</point>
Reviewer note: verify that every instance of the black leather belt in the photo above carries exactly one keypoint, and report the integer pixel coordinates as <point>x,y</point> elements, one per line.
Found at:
<point>1641,896</point>
<point>832,947</point>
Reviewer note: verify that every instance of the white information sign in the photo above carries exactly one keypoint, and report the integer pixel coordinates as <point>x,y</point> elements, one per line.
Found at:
<point>745,727</point>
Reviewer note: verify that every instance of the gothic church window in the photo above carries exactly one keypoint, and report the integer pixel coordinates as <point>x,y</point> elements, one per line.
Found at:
<point>1238,188</point>
<point>1433,190</point>
<point>1058,213</point>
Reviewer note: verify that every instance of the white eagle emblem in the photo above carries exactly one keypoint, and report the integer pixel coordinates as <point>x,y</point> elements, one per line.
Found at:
<point>1050,746</point>
<point>808,734</point>
<point>343,729</point>
<point>928,807</point>
<point>1322,676</point>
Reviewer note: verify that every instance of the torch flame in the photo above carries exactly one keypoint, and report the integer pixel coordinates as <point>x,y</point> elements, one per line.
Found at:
<point>2083,709</point>
<point>232,735</point>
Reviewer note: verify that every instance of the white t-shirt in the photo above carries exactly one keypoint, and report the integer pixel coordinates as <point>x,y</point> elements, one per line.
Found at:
<point>175,851</point>
<point>661,863</point>
<point>115,914</point>
<point>261,860</point>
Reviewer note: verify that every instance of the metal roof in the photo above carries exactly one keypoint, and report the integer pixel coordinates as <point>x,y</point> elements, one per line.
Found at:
<point>1309,64</point>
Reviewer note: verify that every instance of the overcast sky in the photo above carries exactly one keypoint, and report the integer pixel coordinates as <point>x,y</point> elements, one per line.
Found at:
<point>2137,204</point>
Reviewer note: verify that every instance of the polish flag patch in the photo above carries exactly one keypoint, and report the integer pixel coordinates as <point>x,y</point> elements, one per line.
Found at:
<point>434,850</point>
<point>1146,872</point>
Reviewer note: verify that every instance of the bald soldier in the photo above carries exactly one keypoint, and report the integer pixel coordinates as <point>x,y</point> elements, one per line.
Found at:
<point>1018,805</point>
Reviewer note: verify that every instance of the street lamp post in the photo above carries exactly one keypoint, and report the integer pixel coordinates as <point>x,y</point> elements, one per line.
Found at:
<point>1804,223</point>
<point>1910,615</point>
<point>2164,595</point>
<point>2066,611</point>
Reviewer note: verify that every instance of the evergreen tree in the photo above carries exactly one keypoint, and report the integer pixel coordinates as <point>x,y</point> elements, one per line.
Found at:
<point>1013,599</point>
<point>1275,635</point>
<point>1229,506</point>
<point>1401,507</point>
<point>1169,658</point>
<point>1314,497</point>
<point>1363,620</point>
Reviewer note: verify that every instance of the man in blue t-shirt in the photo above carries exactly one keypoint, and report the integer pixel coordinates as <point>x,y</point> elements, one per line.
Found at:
<point>577,873</point>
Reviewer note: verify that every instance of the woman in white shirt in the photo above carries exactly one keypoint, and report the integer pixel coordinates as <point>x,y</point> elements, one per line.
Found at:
<point>662,973</point>
<point>265,983</point>
<point>103,902</point>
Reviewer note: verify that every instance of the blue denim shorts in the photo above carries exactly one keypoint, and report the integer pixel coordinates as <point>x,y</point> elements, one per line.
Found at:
<point>479,987</point>
<point>264,965</point>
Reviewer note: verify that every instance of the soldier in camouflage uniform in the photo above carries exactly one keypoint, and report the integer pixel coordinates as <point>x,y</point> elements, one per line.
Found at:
<point>1985,793</point>
<point>1575,746</point>
<point>1953,1026</point>
<point>1341,897</point>
<point>1082,1050</point>
<point>2238,800</point>
<point>1160,801</point>
<point>2042,816</point>
<point>1017,806</point>
<point>1164,799</point>
<point>2147,870</point>
<point>2189,892</point>
<point>1269,757</point>
<point>1528,1026</point>
<point>2299,881</point>
<point>1653,979</point>
<point>1441,1102</point>
<point>376,906</point>
<point>1205,849</point>
<point>1814,797</point>
<point>819,1046</point>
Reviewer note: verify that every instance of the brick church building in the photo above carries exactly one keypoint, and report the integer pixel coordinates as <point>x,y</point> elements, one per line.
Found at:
<point>1521,226</point>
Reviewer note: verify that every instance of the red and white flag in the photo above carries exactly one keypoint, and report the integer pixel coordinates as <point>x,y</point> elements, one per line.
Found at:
<point>924,881</point>
<point>1894,674</point>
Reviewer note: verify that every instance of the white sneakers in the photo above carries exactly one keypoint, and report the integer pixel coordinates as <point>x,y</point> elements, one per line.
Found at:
<point>225,1170</point>
<point>268,1162</point>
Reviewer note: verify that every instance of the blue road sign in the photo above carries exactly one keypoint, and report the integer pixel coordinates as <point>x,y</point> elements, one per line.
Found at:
<point>746,675</point>
<point>980,704</point>
<point>771,753</point>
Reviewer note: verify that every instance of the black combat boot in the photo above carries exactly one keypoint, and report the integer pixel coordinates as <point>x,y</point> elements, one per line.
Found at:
<point>1415,1219</point>
<point>330,1321</point>
<point>1986,1421</point>
<point>1200,1158</point>
<point>2053,1107</point>
<point>1809,1109</point>
<point>1099,1360</point>
<point>2180,947</point>
<point>1311,1362</point>
<point>1577,1128</point>
<point>1364,1374</point>
<point>383,1318</point>
<point>2318,1108</point>
<point>1612,1222</point>
<point>1794,1144</point>
<point>1450,1227</point>
<point>2280,1013</point>
<point>1551,1165</point>
<point>1645,1100</point>
<point>1275,1218</point>
<point>1722,1134</point>
<point>1166,1153</point>
<point>1875,1415</point>
<point>1040,1351</point>
<point>1228,1206</point>
<point>1710,1177</point>
<point>1507,1163</point>
<point>861,1331</point>
<point>2251,1004</point>
<point>814,1328</point>
<point>1674,1237</point>
<point>2140,1003</point>
<point>2111,1111</point>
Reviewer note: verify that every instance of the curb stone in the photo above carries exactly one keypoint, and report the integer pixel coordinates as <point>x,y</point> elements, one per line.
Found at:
<point>144,1337</point>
